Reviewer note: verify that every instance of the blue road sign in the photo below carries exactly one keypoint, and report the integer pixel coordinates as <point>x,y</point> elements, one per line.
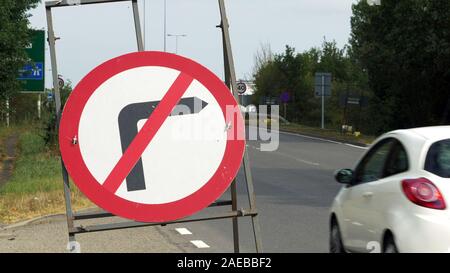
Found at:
<point>50,96</point>
<point>33,71</point>
<point>285,97</point>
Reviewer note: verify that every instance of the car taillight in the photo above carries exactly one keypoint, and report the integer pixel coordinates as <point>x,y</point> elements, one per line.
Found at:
<point>423,192</point>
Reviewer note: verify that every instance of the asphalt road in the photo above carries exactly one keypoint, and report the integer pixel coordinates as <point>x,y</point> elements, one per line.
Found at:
<point>294,188</point>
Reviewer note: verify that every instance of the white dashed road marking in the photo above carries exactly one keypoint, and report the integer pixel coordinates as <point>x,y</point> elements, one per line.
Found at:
<point>183,231</point>
<point>293,157</point>
<point>299,159</point>
<point>199,244</point>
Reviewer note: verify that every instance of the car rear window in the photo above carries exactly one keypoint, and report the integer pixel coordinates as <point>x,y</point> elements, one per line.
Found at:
<point>438,158</point>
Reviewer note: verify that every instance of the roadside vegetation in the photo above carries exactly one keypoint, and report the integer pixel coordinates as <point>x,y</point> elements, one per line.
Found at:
<point>397,58</point>
<point>330,134</point>
<point>4,134</point>
<point>35,187</point>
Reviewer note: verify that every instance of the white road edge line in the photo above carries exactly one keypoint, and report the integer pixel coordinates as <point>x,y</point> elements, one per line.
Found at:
<point>318,138</point>
<point>183,231</point>
<point>355,146</point>
<point>199,244</point>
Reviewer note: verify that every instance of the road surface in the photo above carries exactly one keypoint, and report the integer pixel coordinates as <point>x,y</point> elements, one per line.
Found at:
<point>294,189</point>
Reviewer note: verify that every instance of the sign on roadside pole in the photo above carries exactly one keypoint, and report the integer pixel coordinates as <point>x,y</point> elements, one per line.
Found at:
<point>32,74</point>
<point>285,97</point>
<point>60,82</point>
<point>49,96</point>
<point>125,151</point>
<point>356,100</point>
<point>241,87</point>
<point>322,83</point>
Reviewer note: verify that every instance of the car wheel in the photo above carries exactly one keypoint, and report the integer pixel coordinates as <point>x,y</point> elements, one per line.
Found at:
<point>336,245</point>
<point>389,246</point>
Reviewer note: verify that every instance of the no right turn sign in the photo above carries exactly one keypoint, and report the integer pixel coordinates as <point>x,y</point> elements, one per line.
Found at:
<point>152,136</point>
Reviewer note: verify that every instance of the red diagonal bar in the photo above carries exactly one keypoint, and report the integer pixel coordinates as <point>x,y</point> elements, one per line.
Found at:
<point>147,132</point>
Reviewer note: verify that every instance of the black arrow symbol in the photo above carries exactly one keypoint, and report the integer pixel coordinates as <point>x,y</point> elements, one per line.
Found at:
<point>128,119</point>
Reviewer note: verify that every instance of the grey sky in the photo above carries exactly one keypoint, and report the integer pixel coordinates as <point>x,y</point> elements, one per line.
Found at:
<point>93,34</point>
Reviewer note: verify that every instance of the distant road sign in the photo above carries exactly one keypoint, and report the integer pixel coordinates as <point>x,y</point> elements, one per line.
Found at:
<point>269,100</point>
<point>241,87</point>
<point>34,71</point>
<point>353,100</point>
<point>124,150</point>
<point>285,97</point>
<point>50,96</point>
<point>60,82</point>
<point>32,75</point>
<point>322,83</point>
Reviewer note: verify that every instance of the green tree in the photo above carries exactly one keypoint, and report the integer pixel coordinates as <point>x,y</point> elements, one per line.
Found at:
<point>49,115</point>
<point>405,47</point>
<point>294,72</point>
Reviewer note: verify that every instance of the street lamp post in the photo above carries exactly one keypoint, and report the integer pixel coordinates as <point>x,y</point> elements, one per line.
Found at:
<point>165,24</point>
<point>176,40</point>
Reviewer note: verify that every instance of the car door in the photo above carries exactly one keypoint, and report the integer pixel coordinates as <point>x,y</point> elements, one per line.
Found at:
<point>385,192</point>
<point>357,206</point>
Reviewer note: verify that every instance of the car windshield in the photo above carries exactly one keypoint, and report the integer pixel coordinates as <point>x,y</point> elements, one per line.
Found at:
<point>438,158</point>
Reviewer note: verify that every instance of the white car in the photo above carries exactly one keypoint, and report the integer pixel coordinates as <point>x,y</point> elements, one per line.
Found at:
<point>397,197</point>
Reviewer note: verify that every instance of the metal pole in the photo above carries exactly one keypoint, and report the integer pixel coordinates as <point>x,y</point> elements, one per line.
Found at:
<point>345,107</point>
<point>39,106</point>
<point>137,25</point>
<point>7,113</point>
<point>144,25</point>
<point>360,109</point>
<point>233,187</point>
<point>247,170</point>
<point>323,102</point>
<point>165,25</point>
<point>67,195</point>
<point>176,44</point>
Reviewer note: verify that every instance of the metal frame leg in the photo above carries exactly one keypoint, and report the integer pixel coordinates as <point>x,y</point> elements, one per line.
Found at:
<point>137,25</point>
<point>232,74</point>
<point>235,219</point>
<point>67,194</point>
<point>233,187</point>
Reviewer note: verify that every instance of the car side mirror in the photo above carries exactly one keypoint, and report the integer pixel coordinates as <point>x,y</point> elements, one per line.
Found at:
<point>344,176</point>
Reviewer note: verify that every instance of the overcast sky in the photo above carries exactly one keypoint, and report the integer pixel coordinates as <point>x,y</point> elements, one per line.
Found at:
<point>92,34</point>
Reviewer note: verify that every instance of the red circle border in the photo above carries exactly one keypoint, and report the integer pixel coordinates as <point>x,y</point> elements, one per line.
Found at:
<point>184,207</point>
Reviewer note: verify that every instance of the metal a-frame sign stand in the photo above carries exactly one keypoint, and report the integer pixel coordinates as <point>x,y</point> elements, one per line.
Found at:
<point>230,80</point>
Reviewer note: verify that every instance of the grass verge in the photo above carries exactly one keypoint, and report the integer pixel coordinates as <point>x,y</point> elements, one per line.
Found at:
<point>35,187</point>
<point>4,134</point>
<point>331,134</point>
<point>327,134</point>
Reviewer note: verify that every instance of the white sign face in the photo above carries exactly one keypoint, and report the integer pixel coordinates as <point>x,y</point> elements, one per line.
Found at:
<point>241,87</point>
<point>176,158</point>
